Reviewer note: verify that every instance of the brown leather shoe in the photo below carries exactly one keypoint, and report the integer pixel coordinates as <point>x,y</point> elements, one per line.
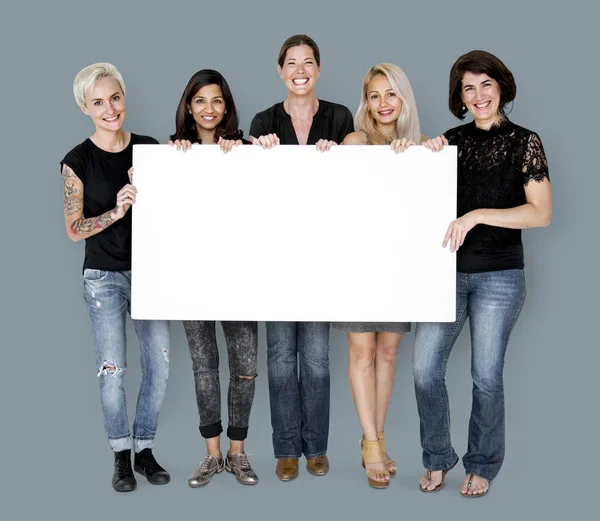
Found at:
<point>318,466</point>
<point>287,469</point>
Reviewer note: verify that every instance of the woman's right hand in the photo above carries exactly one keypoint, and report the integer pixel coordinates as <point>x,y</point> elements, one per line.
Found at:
<point>228,144</point>
<point>268,141</point>
<point>435,144</point>
<point>181,144</point>
<point>125,198</point>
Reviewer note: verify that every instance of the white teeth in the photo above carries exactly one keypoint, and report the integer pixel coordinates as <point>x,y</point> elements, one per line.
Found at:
<point>482,105</point>
<point>300,81</point>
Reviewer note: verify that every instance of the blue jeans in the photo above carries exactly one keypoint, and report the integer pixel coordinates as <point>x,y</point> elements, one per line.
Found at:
<point>492,301</point>
<point>298,369</point>
<point>108,296</point>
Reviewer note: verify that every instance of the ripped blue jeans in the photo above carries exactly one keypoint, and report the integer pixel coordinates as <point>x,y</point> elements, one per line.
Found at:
<point>108,296</point>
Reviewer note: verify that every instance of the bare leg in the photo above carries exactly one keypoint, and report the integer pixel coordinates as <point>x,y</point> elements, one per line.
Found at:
<point>385,371</point>
<point>361,374</point>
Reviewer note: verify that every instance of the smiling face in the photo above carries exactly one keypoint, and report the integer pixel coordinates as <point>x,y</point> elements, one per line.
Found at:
<point>300,70</point>
<point>105,104</point>
<point>481,96</point>
<point>383,103</point>
<point>208,107</point>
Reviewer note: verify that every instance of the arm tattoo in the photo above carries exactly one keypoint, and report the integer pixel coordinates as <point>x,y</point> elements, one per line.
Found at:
<point>74,204</point>
<point>73,197</point>
<point>93,224</point>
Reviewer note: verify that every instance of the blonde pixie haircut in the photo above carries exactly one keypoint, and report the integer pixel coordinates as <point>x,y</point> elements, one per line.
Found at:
<point>86,78</point>
<point>408,120</point>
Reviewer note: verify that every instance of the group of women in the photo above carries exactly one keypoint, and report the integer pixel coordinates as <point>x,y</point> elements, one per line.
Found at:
<point>503,186</point>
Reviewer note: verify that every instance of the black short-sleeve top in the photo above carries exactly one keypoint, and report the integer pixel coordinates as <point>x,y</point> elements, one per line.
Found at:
<point>103,174</point>
<point>494,166</point>
<point>332,122</point>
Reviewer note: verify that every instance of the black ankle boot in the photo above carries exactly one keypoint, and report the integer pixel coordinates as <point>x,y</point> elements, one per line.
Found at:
<point>123,478</point>
<point>145,464</point>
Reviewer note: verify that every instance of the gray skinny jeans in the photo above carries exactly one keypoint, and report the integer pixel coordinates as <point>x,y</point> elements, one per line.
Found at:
<point>242,349</point>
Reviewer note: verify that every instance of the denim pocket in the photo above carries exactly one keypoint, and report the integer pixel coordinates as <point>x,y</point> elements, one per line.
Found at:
<point>92,275</point>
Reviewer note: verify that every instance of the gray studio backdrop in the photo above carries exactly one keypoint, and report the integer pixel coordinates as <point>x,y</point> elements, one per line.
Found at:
<point>55,458</point>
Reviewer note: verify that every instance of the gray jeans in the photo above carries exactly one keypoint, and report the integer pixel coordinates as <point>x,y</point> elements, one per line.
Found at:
<point>242,349</point>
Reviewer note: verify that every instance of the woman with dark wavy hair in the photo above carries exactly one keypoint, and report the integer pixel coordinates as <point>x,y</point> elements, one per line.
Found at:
<point>503,186</point>
<point>206,115</point>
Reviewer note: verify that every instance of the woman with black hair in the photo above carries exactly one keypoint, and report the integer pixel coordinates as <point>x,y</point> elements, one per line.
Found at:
<point>503,186</point>
<point>207,115</point>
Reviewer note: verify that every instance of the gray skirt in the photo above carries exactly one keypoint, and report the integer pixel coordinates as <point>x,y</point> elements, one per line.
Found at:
<point>372,327</point>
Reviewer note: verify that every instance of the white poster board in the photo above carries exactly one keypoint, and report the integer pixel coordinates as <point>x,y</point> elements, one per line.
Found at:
<point>293,234</point>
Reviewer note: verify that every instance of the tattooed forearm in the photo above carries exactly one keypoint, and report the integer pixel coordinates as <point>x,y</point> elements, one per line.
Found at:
<point>73,194</point>
<point>92,225</point>
<point>77,226</point>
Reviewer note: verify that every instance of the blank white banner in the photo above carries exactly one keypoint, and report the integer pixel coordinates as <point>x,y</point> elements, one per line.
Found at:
<point>293,234</point>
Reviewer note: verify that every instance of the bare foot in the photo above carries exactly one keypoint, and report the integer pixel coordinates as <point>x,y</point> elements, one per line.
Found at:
<point>429,483</point>
<point>474,485</point>
<point>383,477</point>
<point>390,463</point>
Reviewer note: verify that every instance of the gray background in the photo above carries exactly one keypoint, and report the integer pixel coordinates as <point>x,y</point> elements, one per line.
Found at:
<point>55,459</point>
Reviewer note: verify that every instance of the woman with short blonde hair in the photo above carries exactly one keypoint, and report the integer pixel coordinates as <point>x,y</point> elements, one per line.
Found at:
<point>98,195</point>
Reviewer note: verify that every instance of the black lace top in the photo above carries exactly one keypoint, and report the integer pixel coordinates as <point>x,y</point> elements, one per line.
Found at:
<point>494,166</point>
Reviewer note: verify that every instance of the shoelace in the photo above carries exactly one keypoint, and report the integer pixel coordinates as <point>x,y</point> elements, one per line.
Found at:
<point>245,464</point>
<point>150,464</point>
<point>123,468</point>
<point>206,462</point>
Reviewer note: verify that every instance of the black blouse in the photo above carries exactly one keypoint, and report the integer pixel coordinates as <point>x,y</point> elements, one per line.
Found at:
<point>494,166</point>
<point>332,122</point>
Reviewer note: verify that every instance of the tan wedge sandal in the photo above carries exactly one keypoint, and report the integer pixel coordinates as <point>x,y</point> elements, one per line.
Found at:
<point>371,453</point>
<point>389,462</point>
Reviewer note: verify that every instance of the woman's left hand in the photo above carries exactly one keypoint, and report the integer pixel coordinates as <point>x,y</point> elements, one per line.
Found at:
<point>323,145</point>
<point>458,229</point>
<point>228,144</point>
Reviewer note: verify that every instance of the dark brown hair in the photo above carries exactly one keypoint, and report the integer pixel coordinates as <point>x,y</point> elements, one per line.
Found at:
<point>480,62</point>
<point>185,125</point>
<point>294,41</point>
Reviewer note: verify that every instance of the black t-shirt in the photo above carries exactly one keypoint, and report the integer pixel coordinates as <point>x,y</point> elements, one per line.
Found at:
<point>103,174</point>
<point>332,122</point>
<point>494,166</point>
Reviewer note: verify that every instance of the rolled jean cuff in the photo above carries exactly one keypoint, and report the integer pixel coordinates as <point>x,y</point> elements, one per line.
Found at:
<point>139,444</point>
<point>237,433</point>
<point>212,430</point>
<point>120,444</point>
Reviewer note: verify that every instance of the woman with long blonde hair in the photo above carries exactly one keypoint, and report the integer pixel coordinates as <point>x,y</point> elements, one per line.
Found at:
<point>387,115</point>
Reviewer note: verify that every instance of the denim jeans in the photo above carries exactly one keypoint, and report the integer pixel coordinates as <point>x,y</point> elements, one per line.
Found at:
<point>242,348</point>
<point>492,301</point>
<point>108,296</point>
<point>298,367</point>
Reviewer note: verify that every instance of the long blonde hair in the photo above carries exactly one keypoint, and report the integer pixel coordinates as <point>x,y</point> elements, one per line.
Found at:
<point>407,124</point>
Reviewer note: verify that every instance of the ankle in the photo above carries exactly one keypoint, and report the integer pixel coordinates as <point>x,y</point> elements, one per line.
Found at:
<point>236,447</point>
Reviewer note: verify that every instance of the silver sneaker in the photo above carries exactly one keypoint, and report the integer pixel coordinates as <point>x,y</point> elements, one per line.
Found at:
<point>239,465</point>
<point>205,471</point>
